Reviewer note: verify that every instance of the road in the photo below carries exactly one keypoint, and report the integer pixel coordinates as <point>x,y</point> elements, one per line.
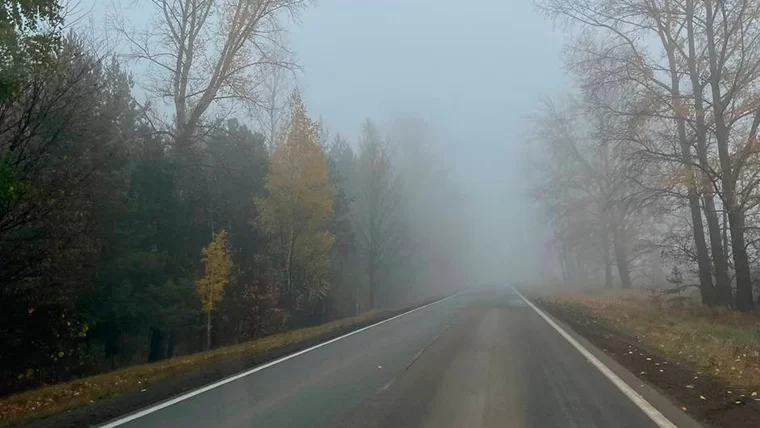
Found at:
<point>478,359</point>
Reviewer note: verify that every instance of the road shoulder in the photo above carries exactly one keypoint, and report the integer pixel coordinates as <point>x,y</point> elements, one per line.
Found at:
<point>682,394</point>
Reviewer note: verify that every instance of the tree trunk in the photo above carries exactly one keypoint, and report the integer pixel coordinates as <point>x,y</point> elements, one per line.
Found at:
<point>607,259</point>
<point>208,330</point>
<point>725,230</point>
<point>744,300</point>
<point>170,345</point>
<point>156,348</point>
<point>621,255</point>
<point>722,295</point>
<point>706,288</point>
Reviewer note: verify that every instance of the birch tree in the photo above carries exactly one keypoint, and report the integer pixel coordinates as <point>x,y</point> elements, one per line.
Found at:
<point>210,287</point>
<point>298,208</point>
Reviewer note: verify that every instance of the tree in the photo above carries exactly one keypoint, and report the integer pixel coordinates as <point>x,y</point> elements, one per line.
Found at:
<point>297,209</point>
<point>378,203</point>
<point>433,254</point>
<point>613,50</point>
<point>732,42</point>
<point>206,54</point>
<point>63,137</point>
<point>343,260</point>
<point>592,184</point>
<point>272,110</point>
<point>29,34</point>
<point>210,287</point>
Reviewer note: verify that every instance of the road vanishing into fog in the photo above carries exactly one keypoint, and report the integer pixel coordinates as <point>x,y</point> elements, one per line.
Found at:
<point>477,359</point>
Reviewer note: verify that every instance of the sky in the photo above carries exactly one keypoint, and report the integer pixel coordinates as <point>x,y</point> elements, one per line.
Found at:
<point>473,70</point>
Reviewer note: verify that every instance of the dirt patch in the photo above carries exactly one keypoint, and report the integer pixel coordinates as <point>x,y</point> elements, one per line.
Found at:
<point>702,395</point>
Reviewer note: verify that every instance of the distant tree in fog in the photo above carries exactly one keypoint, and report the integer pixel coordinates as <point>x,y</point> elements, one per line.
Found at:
<point>378,200</point>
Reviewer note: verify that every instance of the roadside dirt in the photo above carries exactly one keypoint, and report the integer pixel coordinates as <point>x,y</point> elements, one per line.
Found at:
<point>699,394</point>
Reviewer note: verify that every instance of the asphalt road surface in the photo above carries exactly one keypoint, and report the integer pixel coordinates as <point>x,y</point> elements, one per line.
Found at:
<point>478,359</point>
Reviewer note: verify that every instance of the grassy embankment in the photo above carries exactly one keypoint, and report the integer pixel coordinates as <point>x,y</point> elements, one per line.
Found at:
<point>53,399</point>
<point>723,343</point>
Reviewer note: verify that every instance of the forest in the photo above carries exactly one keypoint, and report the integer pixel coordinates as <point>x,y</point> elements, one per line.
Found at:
<point>649,172</point>
<point>195,204</point>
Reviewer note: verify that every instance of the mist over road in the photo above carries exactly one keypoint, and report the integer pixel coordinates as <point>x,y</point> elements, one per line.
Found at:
<point>478,359</point>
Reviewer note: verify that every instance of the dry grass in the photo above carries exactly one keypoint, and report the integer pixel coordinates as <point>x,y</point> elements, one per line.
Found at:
<point>58,398</point>
<point>721,342</point>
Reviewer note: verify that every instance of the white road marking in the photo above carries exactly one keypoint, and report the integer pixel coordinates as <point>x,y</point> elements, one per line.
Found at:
<point>183,397</point>
<point>654,414</point>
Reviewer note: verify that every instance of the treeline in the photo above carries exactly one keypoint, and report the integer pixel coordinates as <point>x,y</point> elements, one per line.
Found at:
<point>128,234</point>
<point>649,173</point>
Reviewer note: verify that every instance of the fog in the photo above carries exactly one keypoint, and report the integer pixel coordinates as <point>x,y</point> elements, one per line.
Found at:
<point>474,71</point>
<point>183,175</point>
<point>473,74</point>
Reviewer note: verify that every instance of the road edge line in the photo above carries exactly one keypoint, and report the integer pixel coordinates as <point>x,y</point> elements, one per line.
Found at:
<point>170,402</point>
<point>648,409</point>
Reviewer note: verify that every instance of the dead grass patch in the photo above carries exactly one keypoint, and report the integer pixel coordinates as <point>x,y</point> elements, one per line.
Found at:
<point>723,343</point>
<point>54,399</point>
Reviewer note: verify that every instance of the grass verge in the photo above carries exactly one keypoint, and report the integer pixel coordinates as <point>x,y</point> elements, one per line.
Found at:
<point>54,399</point>
<point>724,343</point>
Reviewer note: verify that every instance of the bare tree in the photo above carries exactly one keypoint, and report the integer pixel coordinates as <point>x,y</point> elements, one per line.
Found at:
<point>625,56</point>
<point>589,184</point>
<point>272,112</point>
<point>732,39</point>
<point>205,55</point>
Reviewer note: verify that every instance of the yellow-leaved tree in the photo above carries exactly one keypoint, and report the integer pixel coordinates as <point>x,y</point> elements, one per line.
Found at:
<point>297,210</point>
<point>217,265</point>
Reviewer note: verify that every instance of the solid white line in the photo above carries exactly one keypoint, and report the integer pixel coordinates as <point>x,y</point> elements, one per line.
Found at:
<point>654,414</point>
<point>233,378</point>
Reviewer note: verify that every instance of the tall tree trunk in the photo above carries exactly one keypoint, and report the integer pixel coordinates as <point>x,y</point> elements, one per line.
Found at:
<point>621,254</point>
<point>725,230</point>
<point>156,347</point>
<point>607,258</point>
<point>722,280</point>
<point>722,294</point>
<point>706,288</point>
<point>170,344</point>
<point>744,300</point>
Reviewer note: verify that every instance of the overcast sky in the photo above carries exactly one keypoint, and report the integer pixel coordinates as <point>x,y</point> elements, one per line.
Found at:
<point>474,70</point>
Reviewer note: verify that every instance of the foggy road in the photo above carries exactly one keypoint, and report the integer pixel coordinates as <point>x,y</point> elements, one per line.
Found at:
<point>478,359</point>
